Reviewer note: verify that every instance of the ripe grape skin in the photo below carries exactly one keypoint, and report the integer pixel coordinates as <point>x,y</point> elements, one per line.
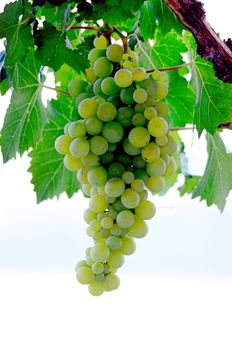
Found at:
<point>128,245</point>
<point>158,127</point>
<point>156,168</point>
<point>139,137</point>
<point>109,87</point>
<point>106,111</point>
<point>139,229</point>
<point>98,203</point>
<point>130,199</point>
<point>84,275</point>
<point>77,129</point>
<point>115,187</point>
<point>156,184</point>
<point>114,52</point>
<point>96,288</point>
<point>125,219</point>
<point>76,86</point>
<point>94,54</point>
<point>98,145</point>
<point>102,67</point>
<point>62,144</point>
<point>93,126</point>
<point>72,163</point>
<point>145,210</point>
<point>113,132</point>
<point>115,260</point>
<point>88,108</point>
<point>123,78</point>
<point>97,176</point>
<point>100,42</point>
<point>112,282</point>
<point>79,147</point>
<point>99,252</point>
<point>151,152</point>
<point>140,95</point>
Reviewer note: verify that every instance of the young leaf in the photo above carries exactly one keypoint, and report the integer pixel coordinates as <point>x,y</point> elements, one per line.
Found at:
<point>213,103</point>
<point>49,175</point>
<point>19,37</point>
<point>216,182</point>
<point>26,115</point>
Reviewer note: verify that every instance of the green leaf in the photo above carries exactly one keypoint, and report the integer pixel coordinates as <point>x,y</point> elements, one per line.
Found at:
<point>216,182</point>
<point>214,98</point>
<point>26,115</point>
<point>49,175</point>
<point>156,14</point>
<point>57,15</point>
<point>190,183</point>
<point>19,37</point>
<point>52,50</point>
<point>147,23</point>
<point>167,53</point>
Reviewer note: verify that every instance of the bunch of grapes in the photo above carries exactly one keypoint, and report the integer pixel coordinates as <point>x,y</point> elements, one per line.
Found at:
<point>120,148</point>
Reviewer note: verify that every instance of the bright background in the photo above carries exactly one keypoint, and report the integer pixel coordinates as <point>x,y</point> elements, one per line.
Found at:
<point>175,291</point>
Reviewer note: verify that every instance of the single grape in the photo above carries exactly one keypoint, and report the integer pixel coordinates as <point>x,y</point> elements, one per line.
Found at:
<point>90,75</point>
<point>107,222</point>
<point>72,163</point>
<point>138,119</point>
<point>76,86</point>
<point>130,149</point>
<point>162,107</point>
<point>98,203</point>
<point>123,78</point>
<point>139,229</point>
<point>151,152</point>
<point>114,52</point>
<point>150,112</point>
<point>100,42</point>
<point>98,145</point>
<point>112,282</point>
<point>89,215</point>
<point>96,288</point>
<point>128,177</point>
<point>97,176</point>
<point>130,199</point>
<point>106,111</point>
<point>102,67</point>
<point>140,95</point>
<point>114,187</point>
<point>100,252</point>
<point>139,74</point>
<point>97,268</point>
<point>145,210</point>
<point>84,275</point>
<point>128,245</point>
<point>113,132</point>
<point>139,137</point>
<point>156,168</point>
<point>115,170</point>
<point>62,144</point>
<point>114,243</point>
<point>138,185</point>
<point>125,219</point>
<point>88,108</point>
<point>115,260</point>
<point>94,54</point>
<point>124,116</point>
<point>109,87</point>
<point>155,184</point>
<point>93,126</point>
<point>126,95</point>
<point>158,127</point>
<point>76,129</point>
<point>91,160</point>
<point>79,147</point>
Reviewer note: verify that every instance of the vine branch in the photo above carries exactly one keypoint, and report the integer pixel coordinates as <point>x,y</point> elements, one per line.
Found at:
<point>209,46</point>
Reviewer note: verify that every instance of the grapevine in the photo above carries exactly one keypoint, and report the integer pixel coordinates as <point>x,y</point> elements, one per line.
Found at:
<point>120,148</point>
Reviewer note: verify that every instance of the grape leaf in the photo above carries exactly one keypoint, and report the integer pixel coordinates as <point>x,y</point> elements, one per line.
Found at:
<point>214,98</point>
<point>52,50</point>
<point>216,182</point>
<point>19,37</point>
<point>156,14</point>
<point>167,53</point>
<point>49,175</point>
<point>190,183</point>
<point>26,114</point>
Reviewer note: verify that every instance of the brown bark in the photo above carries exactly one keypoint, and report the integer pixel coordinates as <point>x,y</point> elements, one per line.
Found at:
<point>209,46</point>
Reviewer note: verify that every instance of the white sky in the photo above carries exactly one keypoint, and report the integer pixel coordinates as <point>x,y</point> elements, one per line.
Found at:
<point>176,289</point>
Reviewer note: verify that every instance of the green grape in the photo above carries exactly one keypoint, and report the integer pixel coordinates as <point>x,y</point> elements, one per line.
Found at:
<point>125,219</point>
<point>112,282</point>
<point>151,152</point>
<point>128,245</point>
<point>139,137</point>
<point>98,203</point>
<point>72,163</point>
<point>81,263</point>
<point>76,86</point>
<point>105,233</point>
<point>130,149</point>
<point>66,128</point>
<point>139,162</point>
<point>114,99</point>
<point>82,176</point>
<point>126,95</point>
<point>100,278</point>
<point>106,269</point>
<point>81,97</point>
<point>93,126</point>
<point>155,184</point>
<point>97,268</point>
<point>98,145</point>
<point>84,275</point>
<point>88,108</point>
<point>139,229</point>
<point>95,225</point>
<point>156,168</point>
<point>112,147</point>
<point>79,147</point>
<point>124,116</point>
<point>114,187</point>
<point>76,129</point>
<point>113,242</point>
<point>130,199</point>
<point>128,177</point>
<point>140,107</point>
<point>143,195</point>
<point>97,176</point>
<point>161,91</point>
<point>102,67</point>
<point>171,168</point>
<point>100,252</point>
<point>107,222</point>
<point>97,86</point>
<point>160,76</point>
<point>150,112</point>
<point>118,206</point>
<point>96,288</point>
<point>115,260</point>
<point>101,189</point>
<point>89,215</point>
<point>165,157</point>
<point>145,210</point>
<point>109,87</point>
<point>139,74</point>
<point>90,160</point>
<point>140,95</point>
<point>138,119</point>
<point>152,87</point>
<point>170,148</point>
<point>116,230</point>
<point>100,42</point>
<point>114,52</point>
<point>94,54</point>
<point>162,107</point>
<point>123,158</point>
<point>62,144</point>
<point>123,78</point>
<point>115,170</point>
<point>107,157</point>
<point>161,141</point>
<point>158,127</point>
<point>113,132</point>
<point>86,189</point>
<point>138,185</point>
<point>141,174</point>
<point>90,75</point>
<point>106,111</point>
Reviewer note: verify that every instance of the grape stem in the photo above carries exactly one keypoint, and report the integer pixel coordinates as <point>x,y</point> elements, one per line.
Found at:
<point>164,69</point>
<point>122,37</point>
<point>63,92</point>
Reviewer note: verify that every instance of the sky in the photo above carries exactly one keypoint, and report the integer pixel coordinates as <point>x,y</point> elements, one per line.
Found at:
<point>176,288</point>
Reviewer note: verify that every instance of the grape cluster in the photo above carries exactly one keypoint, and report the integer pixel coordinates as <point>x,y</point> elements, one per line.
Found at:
<point>120,148</point>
